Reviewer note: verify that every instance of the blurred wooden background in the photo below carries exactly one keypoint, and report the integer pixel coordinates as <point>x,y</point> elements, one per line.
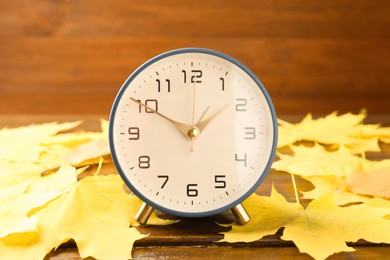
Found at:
<point>71,57</point>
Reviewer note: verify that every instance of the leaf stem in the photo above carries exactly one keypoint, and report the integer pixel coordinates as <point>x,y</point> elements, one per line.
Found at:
<point>99,166</point>
<point>295,188</point>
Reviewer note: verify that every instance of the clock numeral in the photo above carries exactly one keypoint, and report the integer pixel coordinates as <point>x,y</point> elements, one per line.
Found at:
<point>159,85</point>
<point>134,133</point>
<point>250,133</point>
<point>144,162</point>
<point>220,182</point>
<point>223,83</point>
<point>242,160</point>
<point>196,76</point>
<point>241,104</point>
<point>152,103</point>
<point>191,190</point>
<point>165,177</point>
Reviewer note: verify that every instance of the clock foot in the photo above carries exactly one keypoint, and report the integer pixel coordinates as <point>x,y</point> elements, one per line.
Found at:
<point>144,213</point>
<point>240,214</point>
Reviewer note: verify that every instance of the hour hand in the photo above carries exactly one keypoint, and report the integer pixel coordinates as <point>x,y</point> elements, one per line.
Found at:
<point>183,128</point>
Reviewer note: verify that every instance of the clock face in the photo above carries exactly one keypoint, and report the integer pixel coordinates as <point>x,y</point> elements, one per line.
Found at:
<point>193,132</point>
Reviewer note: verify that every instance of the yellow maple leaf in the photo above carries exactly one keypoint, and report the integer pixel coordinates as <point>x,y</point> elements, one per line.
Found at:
<point>24,143</point>
<point>342,196</point>
<point>21,196</point>
<point>344,130</point>
<point>104,124</point>
<point>18,169</point>
<point>95,213</point>
<point>314,161</point>
<point>77,149</point>
<point>371,182</point>
<point>385,140</point>
<point>77,138</point>
<point>324,184</point>
<point>88,153</point>
<point>370,131</point>
<point>320,230</point>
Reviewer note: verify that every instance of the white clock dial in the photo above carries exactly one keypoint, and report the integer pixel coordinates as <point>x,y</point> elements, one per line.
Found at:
<point>193,132</point>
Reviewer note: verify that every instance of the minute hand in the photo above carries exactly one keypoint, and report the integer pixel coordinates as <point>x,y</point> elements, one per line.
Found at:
<point>183,128</point>
<point>202,125</point>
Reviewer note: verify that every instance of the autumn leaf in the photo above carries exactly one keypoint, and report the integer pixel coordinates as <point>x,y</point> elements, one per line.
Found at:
<point>320,230</point>
<point>385,139</point>
<point>342,195</point>
<point>314,161</point>
<point>95,213</point>
<point>346,130</point>
<point>17,199</point>
<point>371,182</point>
<point>77,138</point>
<point>268,215</point>
<point>370,131</point>
<point>88,152</point>
<point>327,171</point>
<point>24,143</point>
<point>77,149</point>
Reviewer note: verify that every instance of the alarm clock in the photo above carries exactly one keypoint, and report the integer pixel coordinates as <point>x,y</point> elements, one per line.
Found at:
<point>193,133</point>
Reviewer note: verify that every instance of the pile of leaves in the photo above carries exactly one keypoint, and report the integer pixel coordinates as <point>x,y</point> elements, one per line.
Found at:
<point>48,196</point>
<point>52,190</point>
<point>351,195</point>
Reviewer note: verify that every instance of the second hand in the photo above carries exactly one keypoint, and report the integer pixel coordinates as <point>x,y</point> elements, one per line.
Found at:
<point>194,132</point>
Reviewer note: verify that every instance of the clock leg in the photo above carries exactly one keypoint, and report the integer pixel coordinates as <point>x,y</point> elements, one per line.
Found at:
<point>241,215</point>
<point>144,213</point>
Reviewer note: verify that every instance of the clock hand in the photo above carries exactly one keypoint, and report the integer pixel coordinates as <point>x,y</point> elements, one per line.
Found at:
<point>193,132</point>
<point>183,128</point>
<point>193,104</point>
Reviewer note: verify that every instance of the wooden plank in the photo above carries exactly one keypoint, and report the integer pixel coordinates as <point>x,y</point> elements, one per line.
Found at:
<point>213,252</point>
<point>66,57</point>
<point>286,19</point>
<point>68,76</point>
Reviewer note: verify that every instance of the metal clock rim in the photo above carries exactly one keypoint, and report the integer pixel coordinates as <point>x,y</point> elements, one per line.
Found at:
<point>203,51</point>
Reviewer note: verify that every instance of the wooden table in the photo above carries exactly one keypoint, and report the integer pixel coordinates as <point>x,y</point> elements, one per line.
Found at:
<point>196,238</point>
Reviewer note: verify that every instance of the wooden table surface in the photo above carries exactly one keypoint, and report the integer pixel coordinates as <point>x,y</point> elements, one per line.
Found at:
<point>196,238</point>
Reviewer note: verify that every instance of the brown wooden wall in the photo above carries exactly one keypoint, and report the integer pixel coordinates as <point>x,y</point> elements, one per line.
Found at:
<point>71,57</point>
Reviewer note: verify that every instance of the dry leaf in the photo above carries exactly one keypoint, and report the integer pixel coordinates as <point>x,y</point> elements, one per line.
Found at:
<point>322,185</point>
<point>95,213</point>
<point>92,150</point>
<point>385,140</point>
<point>78,149</point>
<point>346,130</point>
<point>371,182</point>
<point>72,139</point>
<point>320,230</point>
<point>28,195</point>
<point>24,143</point>
<point>316,161</point>
<point>326,184</point>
